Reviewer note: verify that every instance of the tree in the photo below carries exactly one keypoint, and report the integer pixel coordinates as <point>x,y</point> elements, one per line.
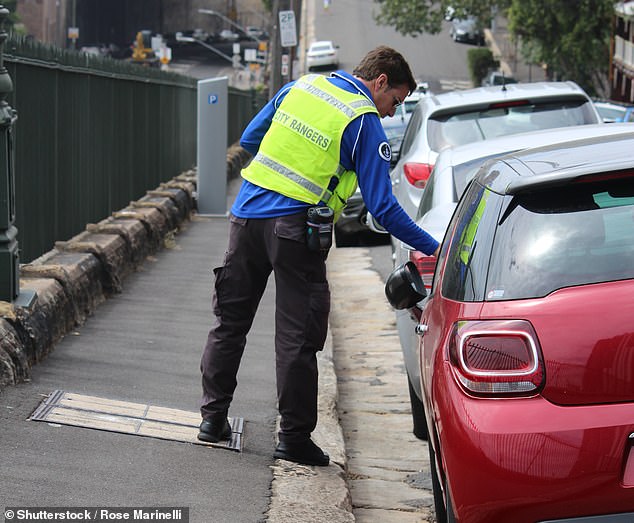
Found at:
<point>414,17</point>
<point>571,38</point>
<point>480,61</point>
<point>11,6</point>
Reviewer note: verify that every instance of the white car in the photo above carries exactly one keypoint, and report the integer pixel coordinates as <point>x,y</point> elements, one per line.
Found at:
<point>477,115</point>
<point>322,54</point>
<point>228,35</point>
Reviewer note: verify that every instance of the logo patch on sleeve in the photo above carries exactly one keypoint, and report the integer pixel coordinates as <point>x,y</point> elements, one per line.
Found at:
<point>385,151</point>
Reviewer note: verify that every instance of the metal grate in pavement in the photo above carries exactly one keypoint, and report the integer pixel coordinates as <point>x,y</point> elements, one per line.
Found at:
<point>67,408</point>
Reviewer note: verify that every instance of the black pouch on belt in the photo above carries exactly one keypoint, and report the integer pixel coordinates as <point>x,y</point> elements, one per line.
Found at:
<point>319,224</point>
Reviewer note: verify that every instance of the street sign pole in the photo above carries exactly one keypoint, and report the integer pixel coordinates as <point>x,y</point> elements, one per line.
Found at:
<point>288,38</point>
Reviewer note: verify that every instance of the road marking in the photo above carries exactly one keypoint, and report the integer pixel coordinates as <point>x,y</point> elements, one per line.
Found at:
<point>455,85</point>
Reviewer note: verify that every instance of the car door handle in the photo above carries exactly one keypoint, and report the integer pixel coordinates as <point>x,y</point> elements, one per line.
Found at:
<point>421,329</point>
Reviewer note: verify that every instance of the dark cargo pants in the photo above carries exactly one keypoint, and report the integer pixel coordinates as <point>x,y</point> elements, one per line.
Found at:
<point>302,304</point>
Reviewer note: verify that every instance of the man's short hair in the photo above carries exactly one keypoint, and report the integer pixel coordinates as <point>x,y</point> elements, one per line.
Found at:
<point>386,60</point>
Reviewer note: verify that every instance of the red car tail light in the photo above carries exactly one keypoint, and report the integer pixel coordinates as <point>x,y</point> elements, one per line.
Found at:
<point>417,173</point>
<point>426,266</point>
<point>510,103</point>
<point>496,358</point>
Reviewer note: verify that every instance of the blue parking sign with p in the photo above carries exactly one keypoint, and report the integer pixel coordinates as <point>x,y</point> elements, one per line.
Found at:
<point>212,99</point>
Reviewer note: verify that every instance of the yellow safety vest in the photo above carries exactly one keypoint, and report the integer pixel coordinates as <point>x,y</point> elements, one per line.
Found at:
<point>468,235</point>
<point>299,154</point>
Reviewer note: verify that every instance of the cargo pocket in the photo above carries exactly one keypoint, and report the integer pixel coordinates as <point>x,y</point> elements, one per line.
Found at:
<point>318,311</point>
<point>291,227</point>
<point>219,290</point>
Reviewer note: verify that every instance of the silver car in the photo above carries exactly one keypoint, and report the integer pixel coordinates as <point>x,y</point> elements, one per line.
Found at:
<point>466,30</point>
<point>474,115</point>
<point>454,169</point>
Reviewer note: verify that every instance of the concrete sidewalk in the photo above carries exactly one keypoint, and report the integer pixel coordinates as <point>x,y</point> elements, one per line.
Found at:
<point>122,314</point>
<point>143,344</point>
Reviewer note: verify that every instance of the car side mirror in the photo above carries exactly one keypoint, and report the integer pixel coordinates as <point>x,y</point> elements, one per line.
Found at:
<point>404,287</point>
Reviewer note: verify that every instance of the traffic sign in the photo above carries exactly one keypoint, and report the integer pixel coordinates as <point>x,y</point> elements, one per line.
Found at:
<point>288,31</point>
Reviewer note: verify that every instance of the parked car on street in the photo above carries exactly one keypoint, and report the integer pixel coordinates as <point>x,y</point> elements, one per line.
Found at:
<point>258,33</point>
<point>474,115</point>
<point>527,339</point>
<point>228,35</point>
<point>454,169</point>
<point>466,30</point>
<point>498,78</point>
<point>322,54</point>
<point>615,112</point>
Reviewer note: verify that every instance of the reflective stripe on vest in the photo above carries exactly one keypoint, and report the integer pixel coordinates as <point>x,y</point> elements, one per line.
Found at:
<point>299,159</point>
<point>324,195</point>
<point>348,110</point>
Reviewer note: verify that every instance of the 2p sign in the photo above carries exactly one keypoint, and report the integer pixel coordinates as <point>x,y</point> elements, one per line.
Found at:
<point>288,31</point>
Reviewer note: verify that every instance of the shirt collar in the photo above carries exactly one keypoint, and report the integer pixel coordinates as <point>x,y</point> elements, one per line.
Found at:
<point>354,82</point>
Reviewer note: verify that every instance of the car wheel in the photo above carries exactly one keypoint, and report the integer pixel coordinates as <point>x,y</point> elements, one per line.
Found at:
<point>439,502</point>
<point>418,413</point>
<point>444,514</point>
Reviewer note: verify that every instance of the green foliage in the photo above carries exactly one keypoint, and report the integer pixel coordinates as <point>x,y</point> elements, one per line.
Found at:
<point>414,17</point>
<point>411,17</point>
<point>12,7</point>
<point>571,37</point>
<point>480,61</point>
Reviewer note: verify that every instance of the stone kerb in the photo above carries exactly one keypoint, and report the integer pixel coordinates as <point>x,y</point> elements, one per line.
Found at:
<point>77,275</point>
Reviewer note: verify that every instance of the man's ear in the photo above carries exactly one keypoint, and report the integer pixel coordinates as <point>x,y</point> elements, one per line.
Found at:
<point>381,81</point>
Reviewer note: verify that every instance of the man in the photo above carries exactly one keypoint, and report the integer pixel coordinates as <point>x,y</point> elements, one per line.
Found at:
<point>308,142</point>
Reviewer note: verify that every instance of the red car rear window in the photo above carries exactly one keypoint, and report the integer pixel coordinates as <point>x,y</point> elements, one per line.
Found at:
<point>575,235</point>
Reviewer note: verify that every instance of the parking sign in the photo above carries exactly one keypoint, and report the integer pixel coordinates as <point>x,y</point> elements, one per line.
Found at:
<point>288,32</point>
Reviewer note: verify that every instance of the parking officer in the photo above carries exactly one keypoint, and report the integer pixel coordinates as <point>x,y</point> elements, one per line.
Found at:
<point>308,142</point>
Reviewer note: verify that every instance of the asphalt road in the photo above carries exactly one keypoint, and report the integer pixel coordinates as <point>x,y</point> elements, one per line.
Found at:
<point>433,58</point>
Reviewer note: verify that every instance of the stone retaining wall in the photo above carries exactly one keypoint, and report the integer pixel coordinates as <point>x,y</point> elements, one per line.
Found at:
<point>77,275</point>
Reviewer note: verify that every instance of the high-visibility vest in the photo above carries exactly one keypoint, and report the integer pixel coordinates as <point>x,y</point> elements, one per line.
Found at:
<point>299,154</point>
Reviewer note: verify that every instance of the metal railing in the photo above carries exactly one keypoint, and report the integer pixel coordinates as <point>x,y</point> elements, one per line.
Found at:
<point>93,134</point>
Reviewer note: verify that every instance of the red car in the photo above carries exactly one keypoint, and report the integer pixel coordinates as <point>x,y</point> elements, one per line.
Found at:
<point>527,340</point>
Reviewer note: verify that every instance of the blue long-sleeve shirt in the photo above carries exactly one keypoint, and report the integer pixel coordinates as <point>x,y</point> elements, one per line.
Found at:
<point>363,150</point>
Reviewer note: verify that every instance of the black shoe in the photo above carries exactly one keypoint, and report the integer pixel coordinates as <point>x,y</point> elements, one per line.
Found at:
<point>214,431</point>
<point>305,453</point>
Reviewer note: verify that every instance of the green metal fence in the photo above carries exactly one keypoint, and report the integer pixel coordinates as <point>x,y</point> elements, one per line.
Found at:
<point>94,134</point>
